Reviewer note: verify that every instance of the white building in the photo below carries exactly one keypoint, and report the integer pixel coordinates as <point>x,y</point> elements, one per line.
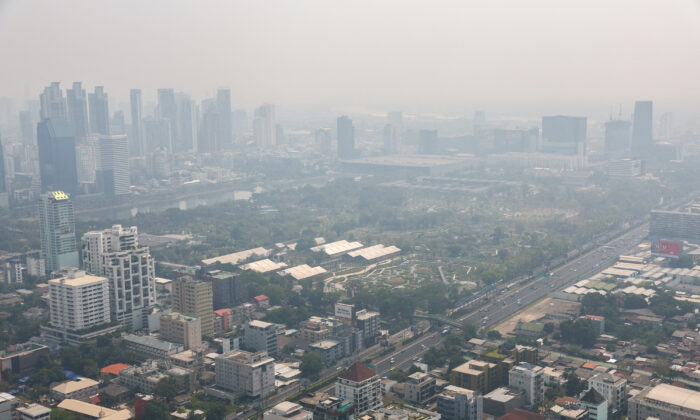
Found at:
<point>115,253</point>
<point>57,231</point>
<point>612,388</point>
<point>665,402</point>
<point>456,403</point>
<point>287,410</point>
<point>78,301</point>
<point>113,164</point>
<point>34,412</point>
<point>360,386</point>
<point>246,374</point>
<point>8,404</point>
<point>529,379</point>
<point>260,336</point>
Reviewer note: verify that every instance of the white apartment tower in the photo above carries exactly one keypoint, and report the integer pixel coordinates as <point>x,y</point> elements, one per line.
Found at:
<point>361,386</point>
<point>529,379</point>
<point>78,301</point>
<point>246,374</point>
<point>115,254</point>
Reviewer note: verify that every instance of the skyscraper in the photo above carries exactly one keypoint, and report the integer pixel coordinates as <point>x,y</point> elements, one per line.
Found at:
<point>564,135</point>
<point>187,123</point>
<point>57,231</point>
<point>239,122</point>
<point>617,138</point>
<point>78,110</point>
<point>391,139</point>
<point>223,106</point>
<point>136,146</point>
<point>428,142</point>
<point>4,198</point>
<point>57,156</point>
<point>323,141</point>
<point>264,127</point>
<point>113,165</point>
<point>167,110</point>
<point>116,254</point>
<point>99,111</point>
<point>346,138</point>
<point>194,297</point>
<point>642,134</point>
<point>53,104</point>
<point>27,127</point>
<point>208,138</point>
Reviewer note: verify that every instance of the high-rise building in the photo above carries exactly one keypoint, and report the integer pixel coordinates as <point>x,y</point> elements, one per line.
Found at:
<point>455,403</point>
<point>112,170</point>
<point>53,104</point>
<point>346,138</point>
<point>665,402</point>
<point>223,108</point>
<point>194,297</point>
<point>260,335</point>
<point>612,388</point>
<point>396,119</point>
<point>247,374</point>
<point>27,127</point>
<point>116,254</point>
<point>642,130</point>
<point>187,123</point>
<point>392,139</point>
<point>183,329</point>
<point>264,126</point>
<point>428,142</point>
<point>564,135</point>
<point>86,158</point>
<point>57,165</point>
<point>78,301</point>
<point>99,111</point>
<point>57,231</point>
<point>617,138</point>
<point>208,139</point>
<point>239,122</point>
<point>226,288</point>
<point>419,387</point>
<point>136,145</point>
<point>3,173</point>
<point>530,380</point>
<point>666,126</point>
<point>675,225</point>
<point>167,111</point>
<point>78,109</point>
<point>117,125</point>
<point>157,135</point>
<point>323,141</point>
<point>361,386</point>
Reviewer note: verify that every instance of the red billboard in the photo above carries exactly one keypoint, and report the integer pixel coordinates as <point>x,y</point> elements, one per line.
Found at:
<point>662,248</point>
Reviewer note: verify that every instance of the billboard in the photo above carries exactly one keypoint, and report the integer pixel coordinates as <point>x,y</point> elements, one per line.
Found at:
<point>343,310</point>
<point>663,248</point>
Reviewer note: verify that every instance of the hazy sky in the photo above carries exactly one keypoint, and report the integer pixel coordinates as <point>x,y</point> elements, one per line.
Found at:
<point>516,56</point>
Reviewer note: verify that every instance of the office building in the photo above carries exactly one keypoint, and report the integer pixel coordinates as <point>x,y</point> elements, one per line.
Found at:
<point>323,141</point>
<point>612,388</point>
<point>264,126</point>
<point>346,138</point>
<point>53,104</point>
<point>117,125</point>
<point>86,157</point>
<point>665,402</point>
<point>167,113</point>
<point>642,130</point>
<point>34,412</point>
<point>99,111</point>
<point>530,380</point>
<point>392,139</point>
<point>57,231</point>
<point>247,374</point>
<point>595,404</point>
<point>618,135</point>
<point>136,139</point>
<point>78,109</point>
<point>26,125</point>
<point>57,166</point>
<point>194,297</point>
<point>674,225</point>
<point>183,329</point>
<point>419,387</point>
<point>208,136</point>
<point>455,403</point>
<point>287,410</point>
<point>116,254</point>
<point>360,386</point>
<point>78,301</point>
<point>112,172</point>
<point>187,123</point>
<point>223,108</point>
<point>260,335</point>
<point>239,122</point>
<point>226,288</point>
<point>428,142</point>
<point>564,135</point>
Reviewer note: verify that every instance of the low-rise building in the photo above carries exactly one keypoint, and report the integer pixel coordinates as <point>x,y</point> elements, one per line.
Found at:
<point>145,377</point>
<point>330,351</point>
<point>260,336</point>
<point>361,386</point>
<point>419,387</point>
<point>8,405</point>
<point>327,407</point>
<point>34,412</point>
<point>477,375</point>
<point>401,412</point>
<point>21,358</point>
<point>148,347</point>
<point>595,404</point>
<point>246,374</point>
<point>287,410</point>
<point>78,389</point>
<point>87,410</point>
<point>183,329</point>
<point>665,402</point>
<point>501,400</point>
<point>567,412</point>
<point>455,403</point>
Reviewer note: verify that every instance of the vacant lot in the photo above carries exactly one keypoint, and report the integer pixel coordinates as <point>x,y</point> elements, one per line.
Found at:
<point>554,307</point>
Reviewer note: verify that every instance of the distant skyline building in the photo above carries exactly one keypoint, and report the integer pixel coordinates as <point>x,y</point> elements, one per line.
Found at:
<point>346,138</point>
<point>167,110</point>
<point>99,111</point>
<point>136,146</point>
<point>239,123</point>
<point>112,170</point>
<point>392,139</point>
<point>428,142</point>
<point>57,166</point>
<point>26,125</point>
<point>617,138</point>
<point>78,109</point>
<point>52,102</point>
<point>564,135</point>
<point>208,136</point>
<point>223,107</point>
<point>264,126</point>
<point>187,123</point>
<point>4,193</point>
<point>642,130</point>
<point>323,141</point>
<point>57,231</point>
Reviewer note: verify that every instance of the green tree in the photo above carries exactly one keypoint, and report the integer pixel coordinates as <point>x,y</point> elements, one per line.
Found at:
<point>166,388</point>
<point>311,365</point>
<point>61,414</point>
<point>574,385</point>
<point>581,332</point>
<point>493,335</point>
<point>548,328</point>
<point>468,329</point>
<point>155,410</point>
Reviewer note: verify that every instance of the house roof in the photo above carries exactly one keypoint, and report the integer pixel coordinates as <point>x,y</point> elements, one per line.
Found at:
<point>260,298</point>
<point>519,414</point>
<point>69,387</point>
<point>358,372</point>
<point>114,369</point>
<point>592,397</point>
